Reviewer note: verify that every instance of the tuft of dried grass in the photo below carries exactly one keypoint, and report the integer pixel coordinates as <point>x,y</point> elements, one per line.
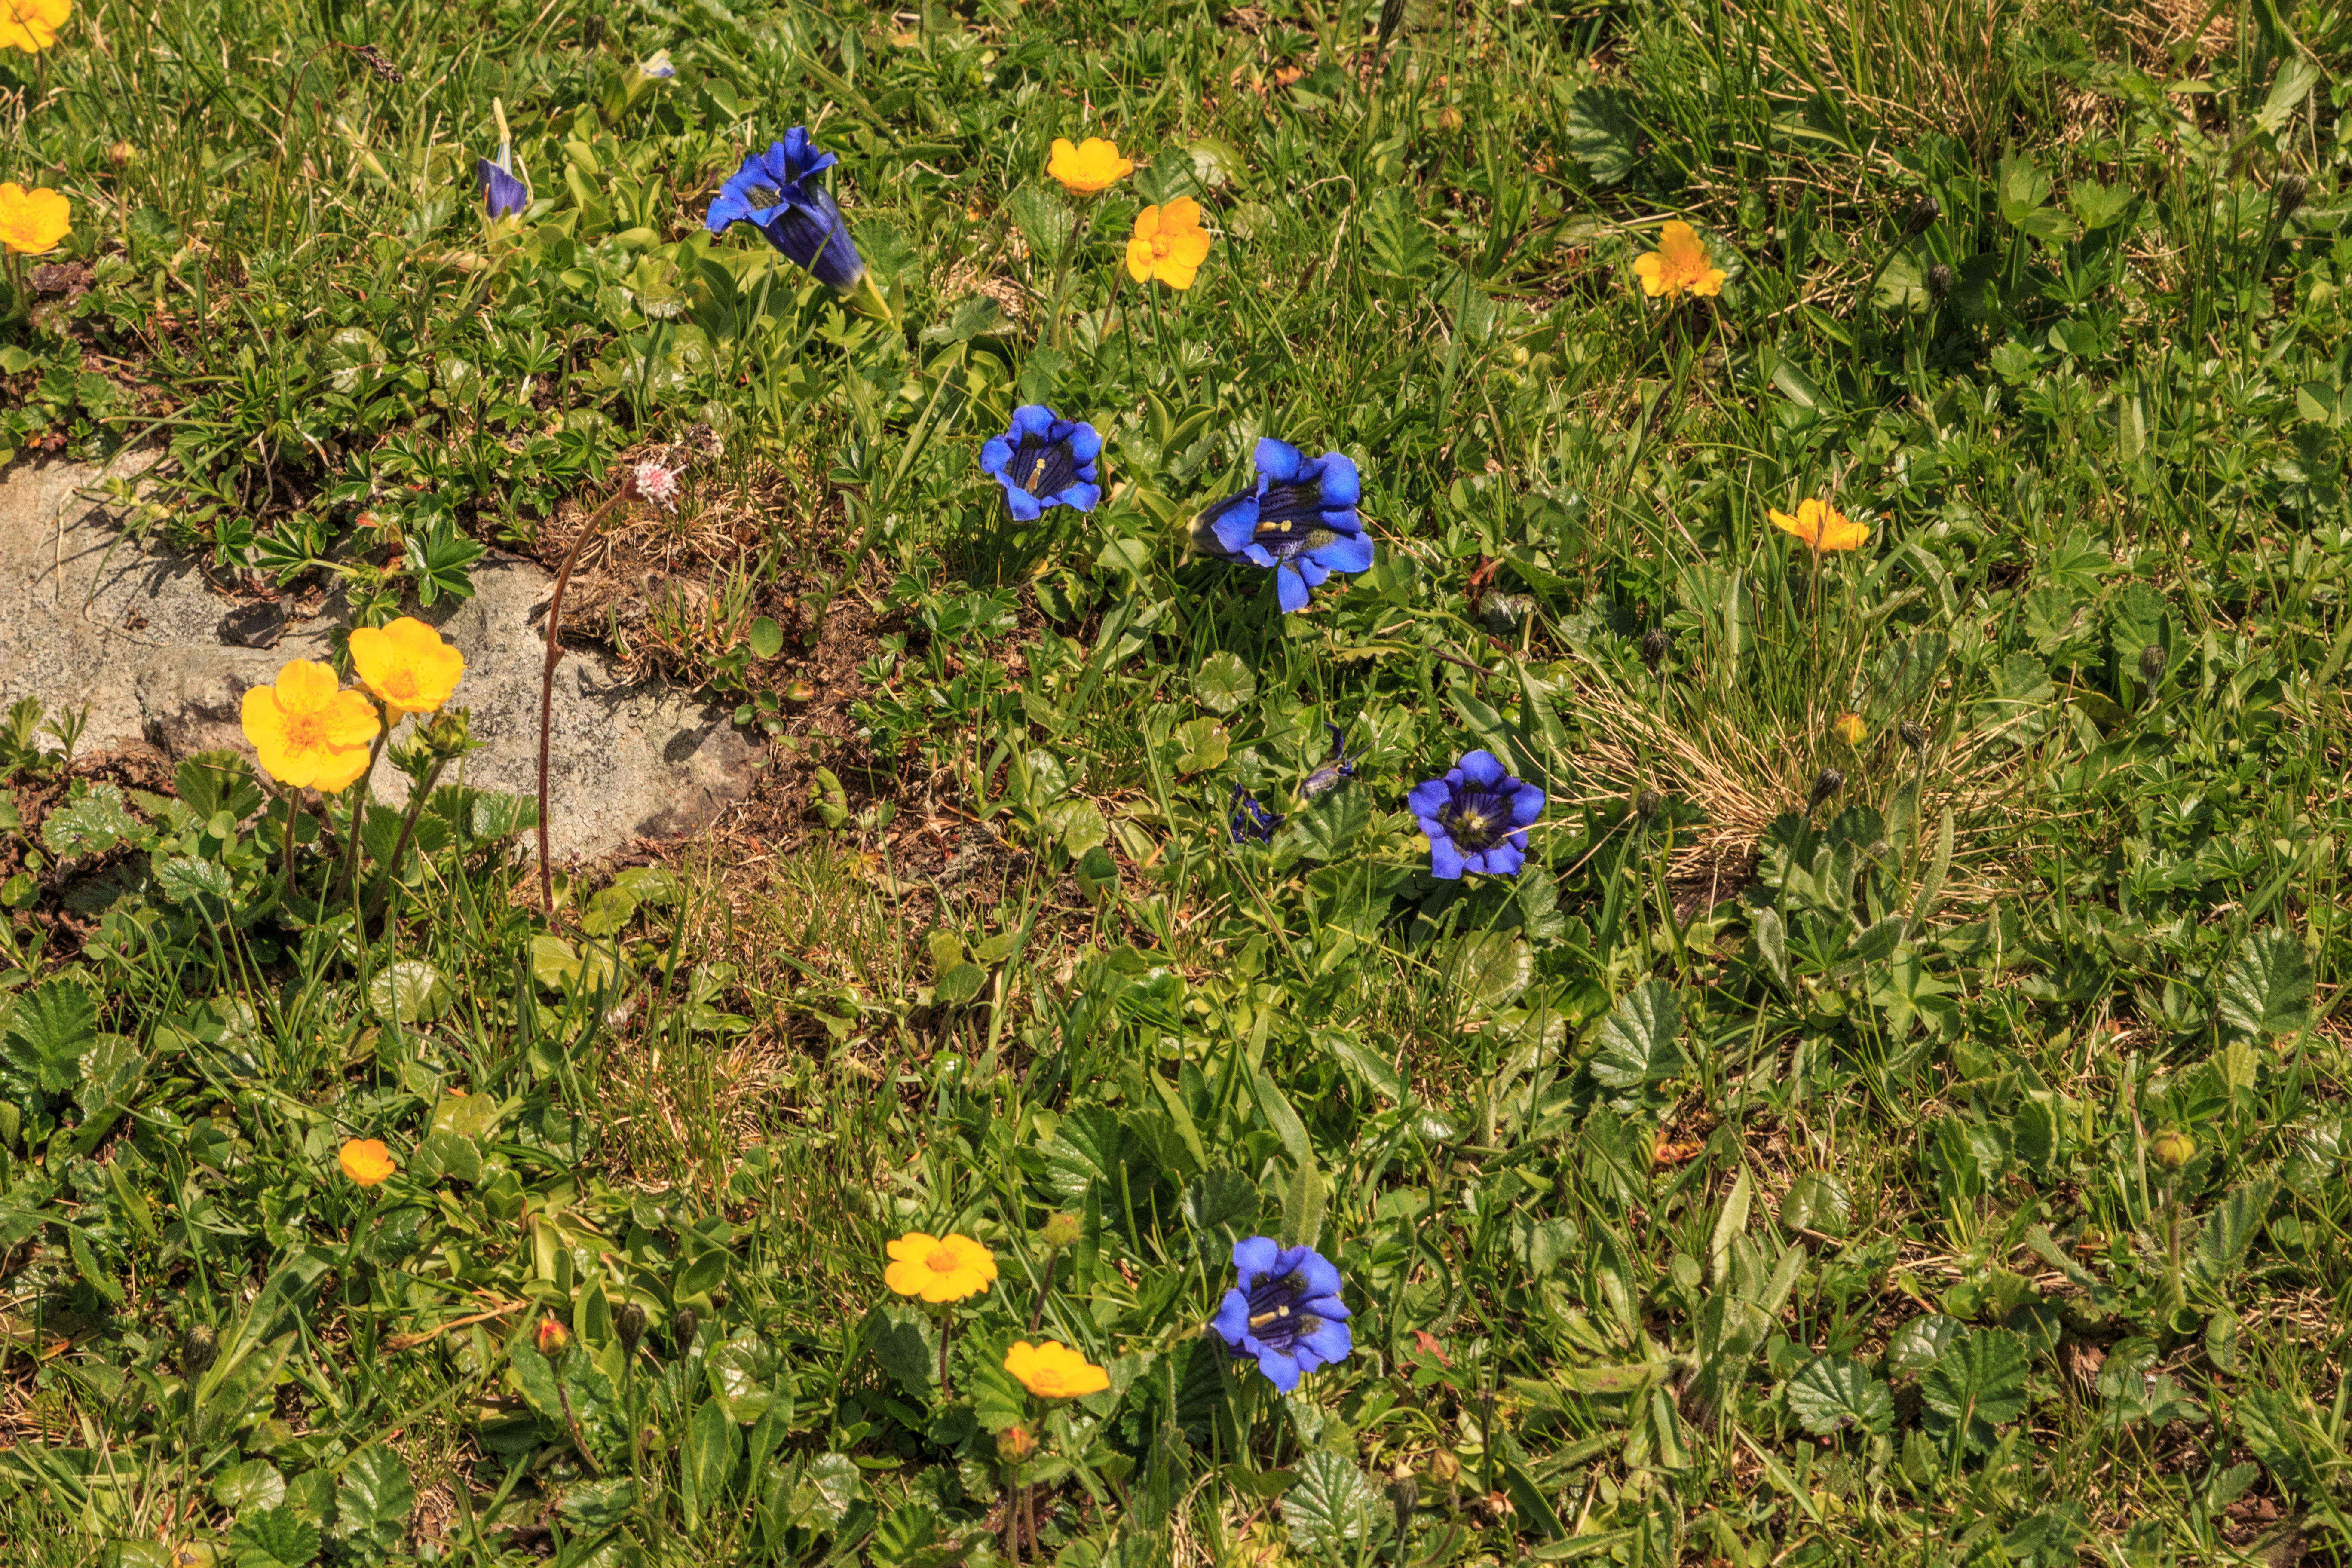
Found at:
<point>1744,769</point>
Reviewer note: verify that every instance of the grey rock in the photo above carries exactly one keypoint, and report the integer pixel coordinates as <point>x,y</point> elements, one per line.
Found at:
<point>91,617</point>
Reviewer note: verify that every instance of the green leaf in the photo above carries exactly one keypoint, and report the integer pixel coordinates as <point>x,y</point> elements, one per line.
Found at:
<point>1817,1202</point>
<point>1202,745</point>
<point>1220,1205</point>
<point>1602,133</point>
<point>279,1535</point>
<point>999,1402</point>
<point>212,783</point>
<point>1076,825</point>
<point>2267,988</point>
<point>1638,1044</point>
<point>409,990</point>
<point>255,1484</point>
<point>741,1374</point>
<point>905,1344</point>
<point>712,1448</point>
<point>48,1032</point>
<point>374,1501</point>
<point>445,1155</point>
<point>1331,1505</point>
<point>1325,828</point>
<point>1917,1343</point>
<point>1490,968</point>
<point>1978,1384</point>
<point>1042,218</point>
<point>1223,683</point>
<point>1834,1393</point>
<point>2229,1229</point>
<point>92,821</point>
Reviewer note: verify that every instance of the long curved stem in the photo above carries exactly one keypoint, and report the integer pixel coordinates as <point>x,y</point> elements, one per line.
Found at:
<point>547,685</point>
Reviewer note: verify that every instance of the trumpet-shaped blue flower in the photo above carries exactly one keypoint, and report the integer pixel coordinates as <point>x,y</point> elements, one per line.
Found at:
<point>503,193</point>
<point>776,192</point>
<point>1252,823</point>
<point>1044,460</point>
<point>1285,1310</point>
<point>1476,817</point>
<point>1299,523</point>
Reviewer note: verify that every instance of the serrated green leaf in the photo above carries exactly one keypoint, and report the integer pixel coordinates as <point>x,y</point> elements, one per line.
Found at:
<point>1332,1503</point>
<point>1637,1043</point>
<point>1223,682</point>
<point>2267,989</point>
<point>374,1499</point>
<point>1834,1394</point>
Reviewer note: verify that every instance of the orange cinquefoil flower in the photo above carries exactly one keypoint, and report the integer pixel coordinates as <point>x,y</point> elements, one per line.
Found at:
<point>367,1161</point>
<point>32,221</point>
<point>1168,245</point>
<point>407,666</point>
<point>1678,266</point>
<point>1053,1371</point>
<point>1820,525</point>
<point>1092,167</point>
<point>939,1268</point>
<point>309,733</point>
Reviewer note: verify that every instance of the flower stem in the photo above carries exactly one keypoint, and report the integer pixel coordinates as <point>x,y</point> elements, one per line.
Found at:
<point>547,684</point>
<point>350,871</point>
<point>391,871</point>
<point>1053,331</point>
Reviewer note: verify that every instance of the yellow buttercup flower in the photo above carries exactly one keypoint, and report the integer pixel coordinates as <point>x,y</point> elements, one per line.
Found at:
<point>1678,266</point>
<point>32,24</point>
<point>1168,245</point>
<point>1092,167</point>
<point>1850,729</point>
<point>1053,1371</point>
<point>367,1161</point>
<point>407,666</point>
<point>309,733</point>
<point>32,221</point>
<point>1820,525</point>
<point>939,1268</point>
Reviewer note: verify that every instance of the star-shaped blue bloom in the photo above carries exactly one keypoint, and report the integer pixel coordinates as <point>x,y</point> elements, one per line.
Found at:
<point>1299,522</point>
<point>774,191</point>
<point>1476,817</point>
<point>1044,460</point>
<point>504,195</point>
<point>1285,1310</point>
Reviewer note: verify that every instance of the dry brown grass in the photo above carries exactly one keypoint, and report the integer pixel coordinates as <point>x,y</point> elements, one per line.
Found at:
<point>1744,772</point>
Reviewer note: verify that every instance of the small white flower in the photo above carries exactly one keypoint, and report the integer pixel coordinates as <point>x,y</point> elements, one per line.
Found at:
<point>654,483</point>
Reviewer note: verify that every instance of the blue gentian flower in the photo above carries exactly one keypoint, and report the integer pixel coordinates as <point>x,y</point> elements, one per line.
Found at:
<point>656,68</point>
<point>1284,1310</point>
<point>1299,522</point>
<point>1333,769</point>
<point>776,192</point>
<point>1044,460</point>
<point>504,195</point>
<point>1252,821</point>
<point>1476,817</point>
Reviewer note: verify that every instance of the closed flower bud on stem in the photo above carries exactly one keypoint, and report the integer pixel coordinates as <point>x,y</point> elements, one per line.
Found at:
<point>1061,1230</point>
<point>1921,217</point>
<point>197,1347</point>
<point>1646,803</point>
<point>2292,187</point>
<point>1939,282</point>
<point>683,1325</point>
<point>2172,1148</point>
<point>629,1322</point>
<point>1015,1444</point>
<point>553,1338</point>
<point>2152,661</point>
<point>1654,645</point>
<point>1827,784</point>
<point>1914,735</point>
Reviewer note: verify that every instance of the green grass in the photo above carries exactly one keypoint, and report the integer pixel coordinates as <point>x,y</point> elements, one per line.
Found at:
<point>1942,1165</point>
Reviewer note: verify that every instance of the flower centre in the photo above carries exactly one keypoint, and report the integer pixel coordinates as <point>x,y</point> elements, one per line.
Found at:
<point>1476,820</point>
<point>942,1260</point>
<point>1043,468</point>
<point>306,731</point>
<point>400,685</point>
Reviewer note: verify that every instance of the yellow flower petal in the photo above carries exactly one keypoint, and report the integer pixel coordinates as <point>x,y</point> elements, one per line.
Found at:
<point>306,732</point>
<point>939,1269</point>
<point>1051,1370</point>
<point>32,24</point>
<point>366,1160</point>
<point>1084,170</point>
<point>36,220</point>
<point>1850,729</point>
<point>406,665</point>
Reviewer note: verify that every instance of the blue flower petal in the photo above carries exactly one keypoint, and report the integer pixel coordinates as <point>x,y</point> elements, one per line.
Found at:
<point>1280,1369</point>
<point>1232,1321</point>
<point>1255,1256</point>
<point>1527,805</point>
<point>1480,768</point>
<point>1342,486</point>
<point>1314,571</point>
<point>1445,860</point>
<point>996,454</point>
<point>1259,555</point>
<point>1086,442</point>
<point>1277,461</point>
<point>1329,1343</point>
<point>1318,1274</point>
<point>1080,495</point>
<point>501,191</point>
<point>1503,860</point>
<point>1024,506</point>
<point>1427,800</point>
<point>1350,553</point>
<point>1033,419</point>
<point>1233,521</point>
<point>1290,589</point>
